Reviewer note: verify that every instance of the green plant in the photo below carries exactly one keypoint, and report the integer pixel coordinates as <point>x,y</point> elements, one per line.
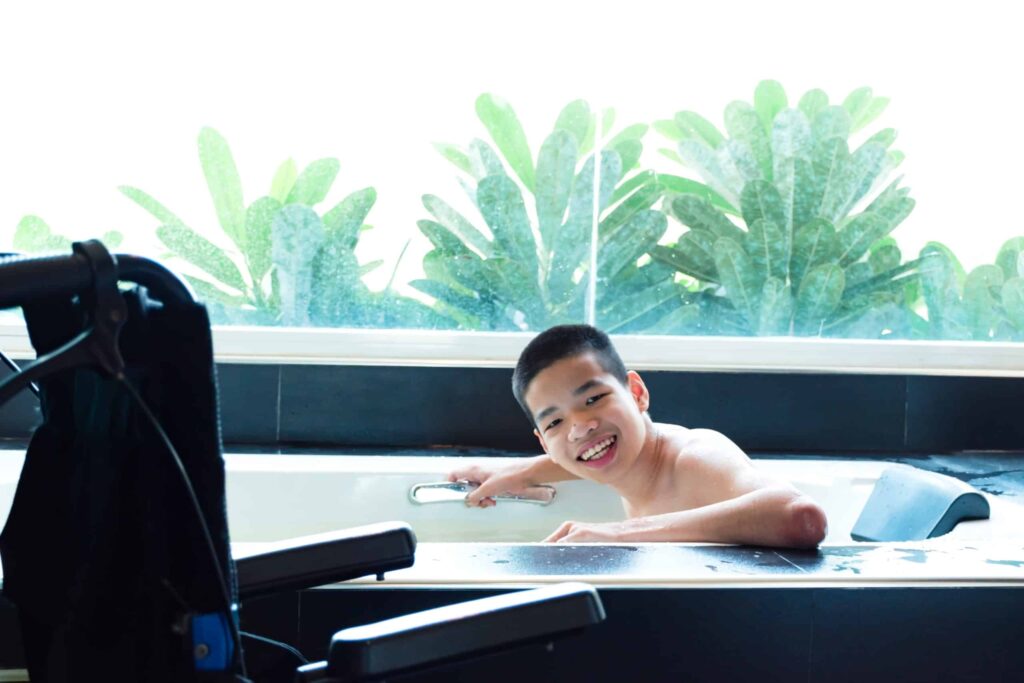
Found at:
<point>529,268</point>
<point>986,304</point>
<point>298,267</point>
<point>34,236</point>
<point>804,261</point>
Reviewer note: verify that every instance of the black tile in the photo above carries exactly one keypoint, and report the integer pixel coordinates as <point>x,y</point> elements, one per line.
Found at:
<point>965,413</point>
<point>649,635</point>
<point>248,396</point>
<point>923,634</point>
<point>368,406</point>
<point>786,412</point>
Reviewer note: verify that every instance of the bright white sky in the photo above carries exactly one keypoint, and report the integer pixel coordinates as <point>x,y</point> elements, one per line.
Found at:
<point>98,94</point>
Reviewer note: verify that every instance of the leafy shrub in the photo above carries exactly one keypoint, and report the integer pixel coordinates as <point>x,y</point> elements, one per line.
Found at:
<point>299,267</point>
<point>529,267</point>
<point>33,236</point>
<point>986,304</point>
<point>805,261</point>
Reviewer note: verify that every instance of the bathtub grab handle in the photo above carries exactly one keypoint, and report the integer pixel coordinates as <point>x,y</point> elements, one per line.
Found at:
<point>455,492</point>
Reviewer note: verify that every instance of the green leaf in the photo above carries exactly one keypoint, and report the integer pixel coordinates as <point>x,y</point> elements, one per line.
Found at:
<point>863,107</point>
<point>744,125</point>
<point>670,129</point>
<point>693,255</point>
<point>808,187</point>
<point>830,122</point>
<point>634,182</point>
<point>33,235</point>
<point>884,137</point>
<point>442,238</point>
<point>224,184</point>
<point>1012,295</point>
<point>284,179</point>
<point>813,102</point>
<point>737,275</point>
<point>200,252</point>
<point>575,119</point>
<point>506,131</point>
<point>455,155</point>
<point>694,125</point>
<point>313,184</point>
<point>158,210</point>
<point>705,161</point>
<point>210,292</point>
<point>573,244</point>
<point>629,242</point>
<point>501,205</point>
<point>791,135</point>
<point>556,168</point>
<point>296,235</point>
<point>761,201</point>
<point>858,174</point>
<point>769,100</point>
<point>857,101</point>
<point>870,226</point>
<point>642,199</point>
<point>454,221</point>
<point>946,316</point>
<point>1010,259</point>
<point>884,256</point>
<point>112,239</point>
<point>980,290</point>
<point>697,212</point>
<point>818,296</point>
<point>768,249</point>
<point>484,160</point>
<point>345,220</point>
<point>829,162</point>
<point>258,219</point>
<point>776,311</point>
<point>634,133</point>
<point>679,185</point>
<point>630,151</point>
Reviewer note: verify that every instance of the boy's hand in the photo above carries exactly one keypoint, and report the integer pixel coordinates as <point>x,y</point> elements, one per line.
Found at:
<point>588,532</point>
<point>511,478</point>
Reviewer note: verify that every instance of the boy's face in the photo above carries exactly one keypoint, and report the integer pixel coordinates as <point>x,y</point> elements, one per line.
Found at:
<point>586,420</point>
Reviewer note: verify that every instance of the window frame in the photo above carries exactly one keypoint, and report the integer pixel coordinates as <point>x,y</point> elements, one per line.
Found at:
<point>434,348</point>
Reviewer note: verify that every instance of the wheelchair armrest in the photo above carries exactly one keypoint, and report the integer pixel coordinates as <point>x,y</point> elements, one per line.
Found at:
<point>308,561</point>
<point>453,632</point>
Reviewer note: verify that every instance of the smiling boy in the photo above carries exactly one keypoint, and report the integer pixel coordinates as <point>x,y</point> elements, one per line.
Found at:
<point>677,484</point>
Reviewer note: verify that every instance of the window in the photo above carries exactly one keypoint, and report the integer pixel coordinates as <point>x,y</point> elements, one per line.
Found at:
<point>798,174</point>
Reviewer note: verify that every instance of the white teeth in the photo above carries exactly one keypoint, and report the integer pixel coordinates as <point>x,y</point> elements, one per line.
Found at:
<point>597,449</point>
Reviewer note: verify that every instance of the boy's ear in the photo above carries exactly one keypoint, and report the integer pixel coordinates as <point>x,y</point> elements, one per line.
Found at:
<point>638,390</point>
<point>541,439</point>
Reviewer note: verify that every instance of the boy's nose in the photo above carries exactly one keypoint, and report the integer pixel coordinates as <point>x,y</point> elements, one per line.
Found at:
<point>581,429</point>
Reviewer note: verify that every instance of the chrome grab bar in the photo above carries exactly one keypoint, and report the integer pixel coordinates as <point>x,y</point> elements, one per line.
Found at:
<point>455,492</point>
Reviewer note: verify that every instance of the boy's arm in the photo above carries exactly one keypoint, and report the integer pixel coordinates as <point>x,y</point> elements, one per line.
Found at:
<point>509,476</point>
<point>770,516</point>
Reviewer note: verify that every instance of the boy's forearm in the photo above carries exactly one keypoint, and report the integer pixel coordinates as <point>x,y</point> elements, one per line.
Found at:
<point>543,470</point>
<point>772,517</point>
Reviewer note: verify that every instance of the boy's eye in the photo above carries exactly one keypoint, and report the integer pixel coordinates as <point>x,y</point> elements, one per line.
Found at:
<point>553,423</point>
<point>594,399</point>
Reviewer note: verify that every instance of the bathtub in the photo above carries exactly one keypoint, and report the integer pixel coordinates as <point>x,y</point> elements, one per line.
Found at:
<point>275,497</point>
<point>946,608</point>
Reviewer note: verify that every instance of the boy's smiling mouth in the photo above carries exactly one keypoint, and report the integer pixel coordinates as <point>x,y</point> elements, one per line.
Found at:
<point>598,453</point>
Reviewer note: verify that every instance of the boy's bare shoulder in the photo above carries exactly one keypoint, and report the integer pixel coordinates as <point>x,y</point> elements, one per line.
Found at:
<point>700,443</point>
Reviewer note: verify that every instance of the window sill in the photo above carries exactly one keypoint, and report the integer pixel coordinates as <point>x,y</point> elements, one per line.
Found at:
<point>429,348</point>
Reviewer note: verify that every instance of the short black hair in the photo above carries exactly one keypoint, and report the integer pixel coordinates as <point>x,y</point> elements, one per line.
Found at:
<point>556,343</point>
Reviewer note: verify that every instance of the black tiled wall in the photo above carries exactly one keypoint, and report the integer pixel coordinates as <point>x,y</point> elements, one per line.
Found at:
<point>385,406</point>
